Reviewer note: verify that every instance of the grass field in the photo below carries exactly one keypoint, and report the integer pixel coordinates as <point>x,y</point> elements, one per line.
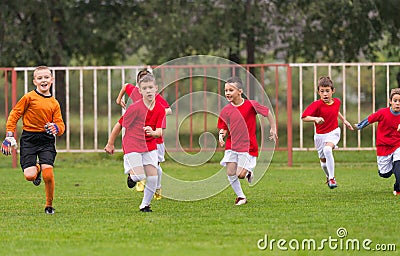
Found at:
<point>96,214</point>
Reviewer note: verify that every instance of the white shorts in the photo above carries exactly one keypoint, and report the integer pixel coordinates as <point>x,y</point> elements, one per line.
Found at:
<point>320,140</point>
<point>135,159</point>
<point>385,163</point>
<point>161,152</point>
<point>243,159</point>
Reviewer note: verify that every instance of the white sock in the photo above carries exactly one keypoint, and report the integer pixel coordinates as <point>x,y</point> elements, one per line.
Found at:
<point>159,174</point>
<point>149,190</point>
<point>330,162</point>
<point>235,184</point>
<point>325,169</point>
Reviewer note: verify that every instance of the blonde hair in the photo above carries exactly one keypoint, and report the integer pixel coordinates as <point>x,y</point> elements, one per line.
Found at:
<point>38,68</point>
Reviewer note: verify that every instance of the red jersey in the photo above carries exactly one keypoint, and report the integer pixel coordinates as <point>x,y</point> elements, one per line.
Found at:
<point>387,136</point>
<point>134,94</point>
<point>329,113</point>
<point>240,121</point>
<point>135,118</point>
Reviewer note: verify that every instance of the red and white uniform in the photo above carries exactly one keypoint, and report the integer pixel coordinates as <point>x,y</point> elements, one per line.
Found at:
<point>387,136</point>
<point>240,121</point>
<point>134,94</point>
<point>328,112</point>
<point>135,118</point>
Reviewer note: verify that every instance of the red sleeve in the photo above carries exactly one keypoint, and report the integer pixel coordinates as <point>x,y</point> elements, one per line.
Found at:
<point>163,102</point>
<point>129,89</point>
<point>221,122</point>
<point>160,120</point>
<point>310,110</point>
<point>133,92</point>
<point>121,119</point>
<point>260,109</point>
<point>376,117</point>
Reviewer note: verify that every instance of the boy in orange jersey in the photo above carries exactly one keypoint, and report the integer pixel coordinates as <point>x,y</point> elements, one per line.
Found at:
<point>42,121</point>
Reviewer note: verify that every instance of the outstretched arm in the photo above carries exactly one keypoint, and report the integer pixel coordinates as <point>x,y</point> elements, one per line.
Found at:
<point>345,122</point>
<point>273,133</point>
<point>364,123</point>
<point>109,148</point>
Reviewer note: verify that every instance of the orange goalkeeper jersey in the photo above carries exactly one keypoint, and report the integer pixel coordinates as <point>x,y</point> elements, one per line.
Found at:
<point>36,111</point>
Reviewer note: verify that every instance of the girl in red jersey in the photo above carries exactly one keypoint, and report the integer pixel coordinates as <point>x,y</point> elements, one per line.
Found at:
<point>42,121</point>
<point>143,124</point>
<point>387,138</point>
<point>324,113</point>
<point>237,122</point>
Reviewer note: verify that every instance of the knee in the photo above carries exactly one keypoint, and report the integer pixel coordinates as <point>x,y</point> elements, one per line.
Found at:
<point>241,175</point>
<point>48,174</point>
<point>327,150</point>
<point>30,173</point>
<point>29,177</point>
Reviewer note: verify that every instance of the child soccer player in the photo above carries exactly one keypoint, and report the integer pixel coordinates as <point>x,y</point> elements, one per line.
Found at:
<point>237,122</point>
<point>143,123</point>
<point>387,138</point>
<point>324,113</point>
<point>134,94</point>
<point>42,120</point>
<point>133,91</point>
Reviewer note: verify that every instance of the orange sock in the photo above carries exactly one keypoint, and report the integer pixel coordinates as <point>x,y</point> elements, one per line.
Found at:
<point>48,177</point>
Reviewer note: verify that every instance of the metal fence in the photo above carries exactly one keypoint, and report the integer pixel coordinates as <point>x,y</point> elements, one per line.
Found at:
<point>87,96</point>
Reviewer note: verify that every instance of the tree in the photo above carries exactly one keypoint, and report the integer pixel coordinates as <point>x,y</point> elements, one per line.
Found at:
<point>54,33</point>
<point>336,30</point>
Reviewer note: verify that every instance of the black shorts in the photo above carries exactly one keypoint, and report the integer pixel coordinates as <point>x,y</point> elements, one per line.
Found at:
<point>35,145</point>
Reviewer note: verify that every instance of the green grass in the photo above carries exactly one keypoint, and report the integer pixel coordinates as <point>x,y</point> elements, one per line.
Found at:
<point>96,214</point>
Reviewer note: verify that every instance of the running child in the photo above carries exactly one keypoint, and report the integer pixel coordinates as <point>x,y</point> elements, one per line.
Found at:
<point>237,122</point>
<point>42,121</point>
<point>133,92</point>
<point>143,123</point>
<point>324,113</point>
<point>387,138</point>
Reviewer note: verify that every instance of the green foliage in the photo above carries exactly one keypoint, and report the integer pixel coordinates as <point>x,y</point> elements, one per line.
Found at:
<point>96,214</point>
<point>56,32</point>
<point>107,32</point>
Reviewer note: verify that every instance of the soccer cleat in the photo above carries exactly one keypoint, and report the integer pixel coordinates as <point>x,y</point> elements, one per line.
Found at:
<point>396,193</point>
<point>49,210</point>
<point>146,209</point>
<point>332,183</point>
<point>240,201</point>
<point>140,186</point>
<point>130,182</point>
<point>157,194</point>
<point>250,176</point>
<point>38,178</point>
